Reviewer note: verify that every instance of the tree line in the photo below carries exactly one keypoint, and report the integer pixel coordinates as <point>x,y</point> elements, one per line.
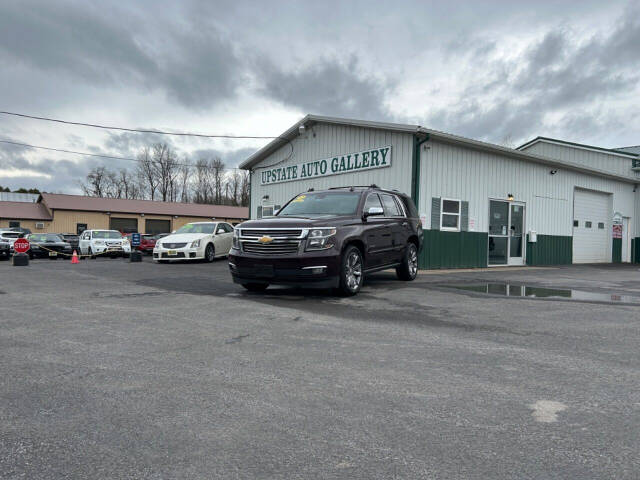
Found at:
<point>19,190</point>
<point>159,175</point>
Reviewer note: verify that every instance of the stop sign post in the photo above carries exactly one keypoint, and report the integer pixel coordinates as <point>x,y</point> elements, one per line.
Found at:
<point>20,248</point>
<point>21,245</point>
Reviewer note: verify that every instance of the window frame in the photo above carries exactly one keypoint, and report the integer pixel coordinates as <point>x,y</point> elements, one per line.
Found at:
<point>14,224</point>
<point>443,213</point>
<point>394,201</point>
<point>264,207</point>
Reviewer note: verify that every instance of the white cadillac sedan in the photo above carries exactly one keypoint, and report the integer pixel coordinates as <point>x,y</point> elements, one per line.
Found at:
<point>195,241</point>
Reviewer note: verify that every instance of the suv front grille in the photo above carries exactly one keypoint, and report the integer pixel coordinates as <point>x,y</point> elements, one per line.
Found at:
<point>273,248</point>
<point>249,232</point>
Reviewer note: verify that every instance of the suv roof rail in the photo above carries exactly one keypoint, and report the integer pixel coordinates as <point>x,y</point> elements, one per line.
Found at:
<point>373,185</point>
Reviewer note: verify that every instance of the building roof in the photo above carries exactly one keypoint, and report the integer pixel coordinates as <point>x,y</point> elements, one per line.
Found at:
<point>614,151</point>
<point>293,132</point>
<point>24,211</point>
<point>57,201</point>
<point>18,197</point>
<point>635,149</point>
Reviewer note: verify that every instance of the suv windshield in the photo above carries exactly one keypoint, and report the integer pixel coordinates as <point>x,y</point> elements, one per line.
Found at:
<point>321,203</point>
<point>106,234</point>
<point>197,228</point>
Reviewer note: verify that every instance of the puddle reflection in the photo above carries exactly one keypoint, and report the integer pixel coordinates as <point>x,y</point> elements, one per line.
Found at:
<point>509,290</point>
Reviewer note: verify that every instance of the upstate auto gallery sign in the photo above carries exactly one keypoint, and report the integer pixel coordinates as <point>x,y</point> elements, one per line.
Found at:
<point>348,163</point>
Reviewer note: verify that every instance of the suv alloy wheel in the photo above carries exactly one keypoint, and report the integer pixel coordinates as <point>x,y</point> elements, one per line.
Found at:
<point>408,269</point>
<point>351,271</point>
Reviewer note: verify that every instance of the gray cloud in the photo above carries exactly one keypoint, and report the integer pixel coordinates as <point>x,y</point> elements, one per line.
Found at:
<point>327,87</point>
<point>157,63</point>
<point>107,46</point>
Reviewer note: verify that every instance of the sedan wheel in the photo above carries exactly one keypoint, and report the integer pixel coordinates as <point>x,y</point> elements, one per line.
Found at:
<point>351,274</point>
<point>209,253</point>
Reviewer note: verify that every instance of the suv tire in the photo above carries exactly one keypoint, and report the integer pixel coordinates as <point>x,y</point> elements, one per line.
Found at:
<point>408,269</point>
<point>351,271</point>
<point>255,287</point>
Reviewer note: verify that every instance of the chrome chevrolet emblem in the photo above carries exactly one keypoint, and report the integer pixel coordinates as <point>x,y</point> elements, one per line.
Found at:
<point>265,239</point>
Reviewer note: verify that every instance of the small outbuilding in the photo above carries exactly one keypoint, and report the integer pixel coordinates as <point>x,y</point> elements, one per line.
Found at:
<point>75,213</point>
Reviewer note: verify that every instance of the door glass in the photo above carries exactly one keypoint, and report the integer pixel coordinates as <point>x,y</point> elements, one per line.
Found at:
<point>515,230</point>
<point>498,218</point>
<point>498,250</point>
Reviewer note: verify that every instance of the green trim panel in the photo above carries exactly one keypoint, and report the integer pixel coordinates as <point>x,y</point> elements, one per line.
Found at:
<point>550,250</point>
<point>454,249</point>
<point>635,250</point>
<point>616,254</point>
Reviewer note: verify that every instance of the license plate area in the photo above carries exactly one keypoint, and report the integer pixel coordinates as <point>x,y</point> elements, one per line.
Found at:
<point>172,253</point>
<point>265,271</point>
<point>53,254</point>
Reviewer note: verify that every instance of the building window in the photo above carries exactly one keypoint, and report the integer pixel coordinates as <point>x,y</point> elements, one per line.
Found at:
<point>450,215</point>
<point>576,223</point>
<point>80,227</point>
<point>267,211</point>
<point>601,225</point>
<point>587,224</point>
<point>14,224</point>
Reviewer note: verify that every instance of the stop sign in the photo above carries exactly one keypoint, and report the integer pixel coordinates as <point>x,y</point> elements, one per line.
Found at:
<point>21,245</point>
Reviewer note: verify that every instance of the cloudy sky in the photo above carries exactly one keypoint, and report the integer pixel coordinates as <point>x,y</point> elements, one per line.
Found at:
<point>500,71</point>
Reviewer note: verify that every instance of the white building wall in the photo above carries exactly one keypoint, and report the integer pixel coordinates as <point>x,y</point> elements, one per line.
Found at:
<point>461,173</point>
<point>330,141</point>
<point>618,164</point>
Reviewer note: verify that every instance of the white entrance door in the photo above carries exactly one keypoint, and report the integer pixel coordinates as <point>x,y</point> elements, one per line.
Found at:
<point>626,240</point>
<point>506,233</point>
<point>591,227</point>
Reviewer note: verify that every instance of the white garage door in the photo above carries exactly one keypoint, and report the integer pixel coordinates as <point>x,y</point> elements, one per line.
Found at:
<point>591,227</point>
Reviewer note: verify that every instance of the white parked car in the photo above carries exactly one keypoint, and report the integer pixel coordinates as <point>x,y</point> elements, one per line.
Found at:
<point>195,241</point>
<point>98,242</point>
<point>10,237</point>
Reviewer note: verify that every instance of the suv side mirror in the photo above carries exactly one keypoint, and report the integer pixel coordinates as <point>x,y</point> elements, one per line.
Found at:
<point>373,211</point>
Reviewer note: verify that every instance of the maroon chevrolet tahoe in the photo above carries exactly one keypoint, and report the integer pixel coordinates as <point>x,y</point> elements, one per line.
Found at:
<point>329,239</point>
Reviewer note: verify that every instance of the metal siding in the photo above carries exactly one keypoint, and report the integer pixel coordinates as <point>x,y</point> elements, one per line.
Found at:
<point>453,250</point>
<point>550,250</point>
<point>452,171</point>
<point>600,160</point>
<point>332,140</point>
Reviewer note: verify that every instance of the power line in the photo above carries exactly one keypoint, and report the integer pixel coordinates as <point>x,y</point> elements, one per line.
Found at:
<point>92,154</point>
<point>139,130</point>
<point>159,132</point>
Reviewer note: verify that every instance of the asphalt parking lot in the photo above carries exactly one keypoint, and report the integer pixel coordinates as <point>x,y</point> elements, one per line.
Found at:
<point>111,369</point>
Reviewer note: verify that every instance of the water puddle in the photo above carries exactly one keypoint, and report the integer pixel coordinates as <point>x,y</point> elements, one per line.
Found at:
<point>509,290</point>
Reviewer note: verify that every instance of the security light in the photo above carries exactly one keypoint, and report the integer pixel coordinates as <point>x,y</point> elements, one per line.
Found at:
<point>510,197</point>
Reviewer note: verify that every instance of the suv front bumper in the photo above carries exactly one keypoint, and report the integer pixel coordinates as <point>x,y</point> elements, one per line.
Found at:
<point>312,269</point>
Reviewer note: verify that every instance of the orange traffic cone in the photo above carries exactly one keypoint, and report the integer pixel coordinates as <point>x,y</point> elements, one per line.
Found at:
<point>74,257</point>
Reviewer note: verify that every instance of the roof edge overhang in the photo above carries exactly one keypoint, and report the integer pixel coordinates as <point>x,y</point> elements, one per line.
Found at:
<point>555,141</point>
<point>530,157</point>
<point>292,132</point>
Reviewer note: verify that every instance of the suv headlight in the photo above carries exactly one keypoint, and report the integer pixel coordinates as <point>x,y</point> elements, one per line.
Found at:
<point>236,239</point>
<point>195,244</point>
<point>321,238</point>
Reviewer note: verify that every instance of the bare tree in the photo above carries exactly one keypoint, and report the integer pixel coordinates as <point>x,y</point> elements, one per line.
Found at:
<point>245,189</point>
<point>217,171</point>
<point>166,170</point>
<point>184,180</point>
<point>97,182</point>
<point>146,173</point>
<point>202,182</point>
<point>127,184</point>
